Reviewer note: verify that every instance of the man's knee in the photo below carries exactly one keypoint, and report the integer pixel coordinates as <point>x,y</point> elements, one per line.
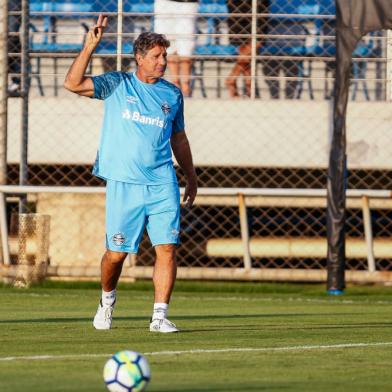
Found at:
<point>166,251</point>
<point>115,257</point>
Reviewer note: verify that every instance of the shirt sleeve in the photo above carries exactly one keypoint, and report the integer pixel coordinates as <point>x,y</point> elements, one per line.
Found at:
<point>105,84</point>
<point>178,122</point>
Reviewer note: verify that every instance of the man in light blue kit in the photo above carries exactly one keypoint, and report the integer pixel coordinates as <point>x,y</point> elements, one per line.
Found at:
<point>143,123</point>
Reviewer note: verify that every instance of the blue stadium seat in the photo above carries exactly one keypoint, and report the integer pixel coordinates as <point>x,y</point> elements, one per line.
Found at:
<point>327,7</point>
<point>293,7</point>
<point>293,18</point>
<point>216,50</point>
<point>107,49</point>
<point>142,6</point>
<point>57,10</point>
<point>77,10</point>
<point>366,48</point>
<point>111,48</point>
<point>213,13</point>
<point>213,7</point>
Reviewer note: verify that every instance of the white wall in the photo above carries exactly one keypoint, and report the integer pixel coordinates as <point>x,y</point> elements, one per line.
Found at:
<point>222,132</point>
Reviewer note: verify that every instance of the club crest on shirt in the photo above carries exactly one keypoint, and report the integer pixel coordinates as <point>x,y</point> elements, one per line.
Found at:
<point>118,239</point>
<point>165,108</point>
<point>131,99</point>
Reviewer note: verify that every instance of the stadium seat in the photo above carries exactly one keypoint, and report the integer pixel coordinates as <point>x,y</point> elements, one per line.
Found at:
<point>131,24</point>
<point>327,7</point>
<point>367,48</point>
<point>212,13</point>
<point>296,19</point>
<point>51,12</point>
<point>142,6</point>
<point>216,53</point>
<point>111,48</point>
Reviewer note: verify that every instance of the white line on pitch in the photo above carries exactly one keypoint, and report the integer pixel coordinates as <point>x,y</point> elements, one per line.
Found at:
<point>207,351</point>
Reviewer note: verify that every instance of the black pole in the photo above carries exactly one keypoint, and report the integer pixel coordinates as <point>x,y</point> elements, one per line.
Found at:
<point>336,189</point>
<point>336,183</point>
<point>354,19</point>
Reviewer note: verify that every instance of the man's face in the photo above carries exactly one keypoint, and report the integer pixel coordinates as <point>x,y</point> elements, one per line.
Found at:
<point>154,63</point>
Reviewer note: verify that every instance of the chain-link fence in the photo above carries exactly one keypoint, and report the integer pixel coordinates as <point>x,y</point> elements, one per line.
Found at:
<point>257,116</point>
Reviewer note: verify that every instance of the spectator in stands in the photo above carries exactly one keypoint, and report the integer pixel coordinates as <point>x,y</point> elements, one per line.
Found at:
<point>14,46</point>
<point>177,20</point>
<point>243,25</point>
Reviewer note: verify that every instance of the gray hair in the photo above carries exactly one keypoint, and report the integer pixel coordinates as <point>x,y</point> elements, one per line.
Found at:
<point>147,41</point>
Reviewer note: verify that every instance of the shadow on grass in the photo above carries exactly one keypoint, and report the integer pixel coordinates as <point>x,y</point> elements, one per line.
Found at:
<point>66,320</point>
<point>193,317</point>
<point>223,388</point>
<point>313,316</point>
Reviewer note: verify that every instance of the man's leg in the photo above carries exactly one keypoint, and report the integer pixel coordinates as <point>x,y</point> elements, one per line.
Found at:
<point>164,276</point>
<point>165,272</point>
<point>291,69</point>
<point>111,266</point>
<point>185,72</point>
<point>271,69</point>
<point>163,227</point>
<point>174,68</point>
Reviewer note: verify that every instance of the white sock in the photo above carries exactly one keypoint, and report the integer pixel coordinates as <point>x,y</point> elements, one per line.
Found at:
<point>160,310</point>
<point>108,297</point>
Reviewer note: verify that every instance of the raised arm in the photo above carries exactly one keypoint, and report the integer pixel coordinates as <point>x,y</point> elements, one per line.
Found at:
<point>182,152</point>
<point>76,81</point>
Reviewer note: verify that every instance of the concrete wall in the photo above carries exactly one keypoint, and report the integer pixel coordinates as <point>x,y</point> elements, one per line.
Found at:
<point>222,132</point>
<point>77,227</point>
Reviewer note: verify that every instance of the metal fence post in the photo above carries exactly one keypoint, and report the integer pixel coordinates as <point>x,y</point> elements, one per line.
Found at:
<point>4,231</point>
<point>25,57</point>
<point>3,126</point>
<point>367,223</point>
<point>389,66</point>
<point>119,33</point>
<point>244,231</point>
<point>253,50</point>
<point>3,90</point>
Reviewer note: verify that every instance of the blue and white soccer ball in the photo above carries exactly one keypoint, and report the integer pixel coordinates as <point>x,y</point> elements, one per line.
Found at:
<point>126,371</point>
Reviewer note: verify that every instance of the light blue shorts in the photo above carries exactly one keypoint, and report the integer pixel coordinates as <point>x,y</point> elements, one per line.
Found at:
<point>132,207</point>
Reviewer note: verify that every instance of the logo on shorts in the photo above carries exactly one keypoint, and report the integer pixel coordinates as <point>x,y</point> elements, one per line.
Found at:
<point>175,233</point>
<point>165,108</point>
<point>118,239</point>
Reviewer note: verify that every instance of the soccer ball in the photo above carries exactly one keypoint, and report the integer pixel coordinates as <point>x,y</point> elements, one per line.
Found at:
<point>126,371</point>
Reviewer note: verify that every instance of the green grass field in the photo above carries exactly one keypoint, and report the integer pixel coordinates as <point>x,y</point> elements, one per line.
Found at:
<point>235,337</point>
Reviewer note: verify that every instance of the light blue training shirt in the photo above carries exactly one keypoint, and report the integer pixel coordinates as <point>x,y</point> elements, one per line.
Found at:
<point>139,119</point>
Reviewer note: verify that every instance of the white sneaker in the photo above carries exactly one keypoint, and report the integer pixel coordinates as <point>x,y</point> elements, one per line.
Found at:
<point>103,317</point>
<point>163,325</point>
